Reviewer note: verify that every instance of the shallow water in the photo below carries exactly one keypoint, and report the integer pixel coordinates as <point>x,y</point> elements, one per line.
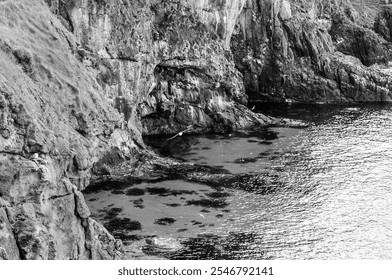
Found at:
<point>331,195</point>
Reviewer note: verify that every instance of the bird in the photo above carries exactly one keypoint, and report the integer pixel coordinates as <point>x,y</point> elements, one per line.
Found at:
<point>180,133</point>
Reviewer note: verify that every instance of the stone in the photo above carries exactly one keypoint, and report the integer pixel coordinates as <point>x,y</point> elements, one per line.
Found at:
<point>383,23</point>
<point>5,133</point>
<point>90,78</point>
<point>81,206</point>
<point>324,40</point>
<point>41,93</point>
<point>8,246</point>
<point>285,10</point>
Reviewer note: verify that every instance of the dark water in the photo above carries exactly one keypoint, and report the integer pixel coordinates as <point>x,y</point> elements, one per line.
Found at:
<point>330,198</point>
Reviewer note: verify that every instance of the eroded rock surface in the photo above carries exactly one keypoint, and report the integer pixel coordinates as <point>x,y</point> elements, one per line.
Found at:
<point>55,123</point>
<point>82,80</point>
<point>312,51</point>
<point>171,57</point>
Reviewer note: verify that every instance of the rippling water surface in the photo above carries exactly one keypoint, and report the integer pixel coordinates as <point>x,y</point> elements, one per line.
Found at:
<point>330,198</point>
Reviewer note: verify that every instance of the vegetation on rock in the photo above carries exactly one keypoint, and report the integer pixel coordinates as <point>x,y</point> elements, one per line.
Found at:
<point>82,80</point>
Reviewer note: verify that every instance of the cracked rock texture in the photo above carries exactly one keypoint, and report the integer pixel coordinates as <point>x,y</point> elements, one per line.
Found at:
<point>82,80</point>
<point>172,58</point>
<point>55,123</point>
<point>314,51</point>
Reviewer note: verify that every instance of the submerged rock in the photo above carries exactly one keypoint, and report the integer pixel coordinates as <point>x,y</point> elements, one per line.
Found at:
<point>90,77</point>
<point>165,221</point>
<point>135,192</point>
<point>120,227</point>
<point>208,203</point>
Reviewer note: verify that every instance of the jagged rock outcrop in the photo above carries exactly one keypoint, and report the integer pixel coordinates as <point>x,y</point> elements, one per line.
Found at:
<point>82,80</point>
<point>171,57</point>
<point>77,91</point>
<point>383,22</point>
<point>310,51</point>
<point>55,123</point>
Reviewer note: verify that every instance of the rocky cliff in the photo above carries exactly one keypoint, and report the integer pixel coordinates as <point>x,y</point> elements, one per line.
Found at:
<point>82,80</point>
<point>313,51</point>
<point>170,57</point>
<point>55,122</point>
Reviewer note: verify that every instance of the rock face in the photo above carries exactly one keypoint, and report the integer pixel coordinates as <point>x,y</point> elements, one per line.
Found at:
<point>55,123</point>
<point>310,51</point>
<point>82,80</point>
<point>383,23</point>
<point>171,57</point>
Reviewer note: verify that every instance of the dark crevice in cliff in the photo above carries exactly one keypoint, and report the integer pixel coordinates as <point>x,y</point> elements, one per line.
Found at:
<point>190,98</point>
<point>119,58</point>
<point>62,8</point>
<point>293,52</point>
<point>59,196</point>
<point>84,91</point>
<point>20,154</point>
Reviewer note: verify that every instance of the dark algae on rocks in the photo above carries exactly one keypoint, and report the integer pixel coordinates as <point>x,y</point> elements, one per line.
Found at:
<point>82,81</point>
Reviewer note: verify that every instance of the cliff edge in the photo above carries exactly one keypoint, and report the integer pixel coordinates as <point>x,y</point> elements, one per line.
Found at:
<point>314,51</point>
<point>82,80</point>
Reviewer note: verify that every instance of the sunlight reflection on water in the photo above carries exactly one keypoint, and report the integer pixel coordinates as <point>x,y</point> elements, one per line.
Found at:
<point>336,198</point>
<point>332,195</point>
